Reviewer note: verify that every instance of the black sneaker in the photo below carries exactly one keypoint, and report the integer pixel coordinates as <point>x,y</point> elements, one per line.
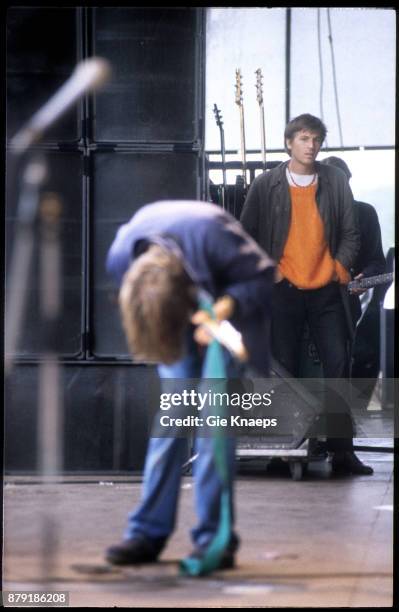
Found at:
<point>226,562</point>
<point>228,558</point>
<point>346,462</point>
<point>134,551</point>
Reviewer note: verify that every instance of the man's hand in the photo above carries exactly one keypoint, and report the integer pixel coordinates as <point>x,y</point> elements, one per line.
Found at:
<point>201,335</point>
<point>223,309</point>
<point>278,277</point>
<point>358,291</point>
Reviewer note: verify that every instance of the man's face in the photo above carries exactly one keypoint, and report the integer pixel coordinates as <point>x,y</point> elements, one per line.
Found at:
<point>304,147</point>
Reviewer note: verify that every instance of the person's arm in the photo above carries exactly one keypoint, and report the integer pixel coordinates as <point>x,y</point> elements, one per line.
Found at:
<point>371,260</point>
<point>374,261</point>
<point>252,294</point>
<point>241,268</point>
<point>120,253</point>
<point>349,237</point>
<point>250,216</point>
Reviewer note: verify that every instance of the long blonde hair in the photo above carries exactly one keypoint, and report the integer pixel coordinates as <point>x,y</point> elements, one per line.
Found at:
<point>156,300</point>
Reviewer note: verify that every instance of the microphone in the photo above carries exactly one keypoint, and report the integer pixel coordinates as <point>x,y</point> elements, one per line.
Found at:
<point>88,75</point>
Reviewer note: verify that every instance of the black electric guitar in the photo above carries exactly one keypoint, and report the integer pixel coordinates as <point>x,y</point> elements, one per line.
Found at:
<point>222,188</point>
<point>371,281</point>
<point>259,96</point>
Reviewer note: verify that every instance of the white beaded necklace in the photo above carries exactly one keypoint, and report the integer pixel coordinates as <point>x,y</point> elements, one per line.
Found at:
<point>313,179</point>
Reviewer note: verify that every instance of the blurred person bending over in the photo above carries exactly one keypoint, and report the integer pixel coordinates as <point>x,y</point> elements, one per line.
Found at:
<point>161,258</point>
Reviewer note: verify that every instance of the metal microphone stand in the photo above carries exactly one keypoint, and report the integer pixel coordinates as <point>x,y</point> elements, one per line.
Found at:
<point>40,211</point>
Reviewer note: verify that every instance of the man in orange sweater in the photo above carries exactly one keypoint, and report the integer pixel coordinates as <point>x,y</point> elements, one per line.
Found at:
<point>302,214</point>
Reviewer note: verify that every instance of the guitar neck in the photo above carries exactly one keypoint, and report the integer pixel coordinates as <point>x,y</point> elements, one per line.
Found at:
<point>219,123</point>
<point>243,148</point>
<point>263,135</point>
<point>371,281</point>
<point>259,96</point>
<point>223,152</point>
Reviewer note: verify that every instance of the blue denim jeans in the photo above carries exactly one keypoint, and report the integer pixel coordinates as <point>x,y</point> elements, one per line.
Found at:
<point>156,514</point>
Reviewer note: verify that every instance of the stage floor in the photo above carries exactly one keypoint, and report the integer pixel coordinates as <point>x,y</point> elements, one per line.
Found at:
<point>321,541</point>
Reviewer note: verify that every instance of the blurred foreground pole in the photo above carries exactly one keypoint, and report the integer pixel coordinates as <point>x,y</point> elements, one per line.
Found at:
<point>89,75</point>
<point>50,408</point>
<point>33,177</point>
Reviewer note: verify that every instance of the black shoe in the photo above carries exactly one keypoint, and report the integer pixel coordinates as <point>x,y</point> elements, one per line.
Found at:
<point>228,558</point>
<point>226,562</point>
<point>134,551</point>
<point>346,462</point>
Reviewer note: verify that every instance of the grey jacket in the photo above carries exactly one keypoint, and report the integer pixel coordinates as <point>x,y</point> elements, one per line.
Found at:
<point>266,215</point>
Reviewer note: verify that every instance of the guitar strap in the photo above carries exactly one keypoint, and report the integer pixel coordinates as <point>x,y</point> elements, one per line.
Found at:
<point>214,368</point>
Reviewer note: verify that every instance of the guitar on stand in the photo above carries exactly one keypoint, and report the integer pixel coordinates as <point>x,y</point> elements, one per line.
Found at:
<point>259,96</point>
<point>241,181</point>
<point>222,189</point>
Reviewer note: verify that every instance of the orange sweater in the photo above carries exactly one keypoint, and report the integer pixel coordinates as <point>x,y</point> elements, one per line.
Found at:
<point>307,262</point>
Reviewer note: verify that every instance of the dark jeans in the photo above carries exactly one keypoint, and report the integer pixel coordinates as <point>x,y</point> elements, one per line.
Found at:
<point>323,310</point>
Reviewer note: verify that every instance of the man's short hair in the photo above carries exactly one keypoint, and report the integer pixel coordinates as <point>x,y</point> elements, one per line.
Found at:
<point>156,300</point>
<point>304,122</point>
<point>338,163</point>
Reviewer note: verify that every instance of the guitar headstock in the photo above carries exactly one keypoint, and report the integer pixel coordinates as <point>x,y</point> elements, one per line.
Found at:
<point>259,86</point>
<point>218,116</point>
<point>238,87</point>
